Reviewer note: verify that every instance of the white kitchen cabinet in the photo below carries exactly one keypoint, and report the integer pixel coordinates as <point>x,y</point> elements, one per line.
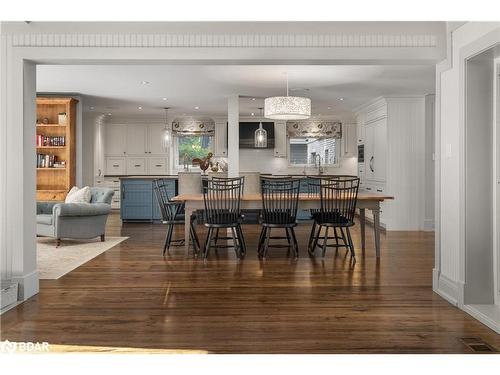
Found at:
<point>155,144</point>
<point>394,144</point>
<point>112,183</point>
<point>360,126</point>
<point>137,139</point>
<point>220,146</point>
<point>115,166</point>
<point>369,157</point>
<point>280,139</point>
<point>349,148</point>
<point>115,140</point>
<point>129,148</point>
<point>375,150</point>
<point>157,166</point>
<point>136,166</point>
<point>380,149</point>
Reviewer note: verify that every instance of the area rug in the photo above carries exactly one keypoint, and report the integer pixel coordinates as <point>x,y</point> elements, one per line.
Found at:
<point>54,262</point>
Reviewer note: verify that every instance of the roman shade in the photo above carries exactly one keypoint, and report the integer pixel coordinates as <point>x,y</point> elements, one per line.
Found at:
<point>314,129</point>
<point>193,126</point>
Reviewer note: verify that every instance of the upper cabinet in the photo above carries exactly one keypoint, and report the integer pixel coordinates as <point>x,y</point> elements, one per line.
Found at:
<point>133,140</point>
<point>134,149</point>
<point>137,140</point>
<point>155,136</point>
<point>115,140</point>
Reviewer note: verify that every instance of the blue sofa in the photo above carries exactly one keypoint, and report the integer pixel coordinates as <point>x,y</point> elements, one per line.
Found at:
<point>75,220</point>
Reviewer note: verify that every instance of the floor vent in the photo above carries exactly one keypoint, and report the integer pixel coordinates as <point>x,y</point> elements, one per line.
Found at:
<point>477,345</point>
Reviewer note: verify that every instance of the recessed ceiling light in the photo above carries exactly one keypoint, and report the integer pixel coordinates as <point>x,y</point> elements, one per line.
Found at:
<point>252,114</point>
<point>329,107</point>
<point>196,107</point>
<point>253,98</point>
<point>91,108</point>
<point>139,107</point>
<point>341,99</point>
<point>144,82</point>
<point>163,98</point>
<point>109,114</point>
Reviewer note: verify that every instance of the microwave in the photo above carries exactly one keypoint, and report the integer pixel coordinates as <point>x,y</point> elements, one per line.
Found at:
<point>361,153</point>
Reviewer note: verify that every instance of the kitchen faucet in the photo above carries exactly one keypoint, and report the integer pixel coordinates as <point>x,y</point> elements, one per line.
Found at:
<point>317,163</point>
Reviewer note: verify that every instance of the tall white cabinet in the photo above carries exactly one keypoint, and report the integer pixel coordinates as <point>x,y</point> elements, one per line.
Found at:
<point>134,149</point>
<point>392,130</point>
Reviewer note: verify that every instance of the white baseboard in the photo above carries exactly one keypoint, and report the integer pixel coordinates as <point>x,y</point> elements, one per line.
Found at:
<point>28,285</point>
<point>489,315</point>
<point>445,287</point>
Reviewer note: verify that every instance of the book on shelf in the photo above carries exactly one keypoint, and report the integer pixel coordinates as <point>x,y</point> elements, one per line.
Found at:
<point>43,140</point>
<point>49,161</point>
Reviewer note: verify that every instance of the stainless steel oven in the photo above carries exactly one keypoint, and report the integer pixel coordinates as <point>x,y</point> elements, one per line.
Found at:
<point>361,153</point>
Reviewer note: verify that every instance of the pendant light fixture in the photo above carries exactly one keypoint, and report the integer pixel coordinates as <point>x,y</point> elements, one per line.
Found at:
<point>260,135</point>
<point>166,138</point>
<point>287,107</point>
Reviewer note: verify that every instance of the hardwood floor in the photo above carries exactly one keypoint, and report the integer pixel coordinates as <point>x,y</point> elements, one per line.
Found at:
<point>132,297</point>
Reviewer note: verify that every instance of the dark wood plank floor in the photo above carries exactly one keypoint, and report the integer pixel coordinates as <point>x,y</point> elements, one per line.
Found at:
<point>132,297</point>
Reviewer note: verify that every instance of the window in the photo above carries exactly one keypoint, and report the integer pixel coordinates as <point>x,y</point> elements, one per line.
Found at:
<point>310,150</point>
<point>190,147</point>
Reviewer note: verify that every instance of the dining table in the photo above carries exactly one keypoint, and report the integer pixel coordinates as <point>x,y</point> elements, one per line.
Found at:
<point>365,201</point>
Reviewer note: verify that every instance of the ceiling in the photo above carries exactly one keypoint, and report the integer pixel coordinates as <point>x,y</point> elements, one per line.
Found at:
<point>203,89</point>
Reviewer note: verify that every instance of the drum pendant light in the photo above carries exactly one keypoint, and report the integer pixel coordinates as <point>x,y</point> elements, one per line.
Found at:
<point>287,107</point>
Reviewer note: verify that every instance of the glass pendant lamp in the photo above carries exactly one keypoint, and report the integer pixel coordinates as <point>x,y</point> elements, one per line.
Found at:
<point>166,137</point>
<point>260,136</point>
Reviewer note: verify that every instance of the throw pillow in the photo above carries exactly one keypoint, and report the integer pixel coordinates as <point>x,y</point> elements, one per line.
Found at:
<point>76,195</point>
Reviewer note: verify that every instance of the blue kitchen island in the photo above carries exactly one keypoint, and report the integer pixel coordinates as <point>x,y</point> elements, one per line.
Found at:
<point>138,200</point>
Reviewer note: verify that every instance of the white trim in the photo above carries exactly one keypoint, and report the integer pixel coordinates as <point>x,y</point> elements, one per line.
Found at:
<point>28,285</point>
<point>466,52</point>
<point>489,315</point>
<point>210,40</point>
<point>496,173</point>
<point>445,287</point>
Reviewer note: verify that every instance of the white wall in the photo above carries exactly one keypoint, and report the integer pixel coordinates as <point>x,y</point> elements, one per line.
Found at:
<point>88,154</point>
<point>449,278</point>
<point>479,180</point>
<point>429,194</point>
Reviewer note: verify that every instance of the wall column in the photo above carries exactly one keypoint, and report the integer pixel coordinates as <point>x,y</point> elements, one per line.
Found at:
<point>233,136</point>
<point>21,176</point>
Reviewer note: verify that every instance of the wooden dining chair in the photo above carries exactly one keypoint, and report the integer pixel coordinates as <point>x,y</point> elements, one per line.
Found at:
<point>172,213</point>
<point>338,198</point>
<point>222,199</point>
<point>280,197</point>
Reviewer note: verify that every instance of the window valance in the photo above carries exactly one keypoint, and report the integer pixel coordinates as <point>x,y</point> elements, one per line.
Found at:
<point>193,126</point>
<point>314,129</point>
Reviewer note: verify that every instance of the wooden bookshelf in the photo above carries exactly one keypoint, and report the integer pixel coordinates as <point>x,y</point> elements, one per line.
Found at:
<point>54,183</point>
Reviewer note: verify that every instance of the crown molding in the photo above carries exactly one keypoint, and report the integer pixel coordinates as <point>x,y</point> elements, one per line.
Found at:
<point>248,40</point>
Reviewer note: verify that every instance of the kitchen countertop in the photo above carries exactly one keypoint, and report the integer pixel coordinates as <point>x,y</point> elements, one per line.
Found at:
<point>145,177</point>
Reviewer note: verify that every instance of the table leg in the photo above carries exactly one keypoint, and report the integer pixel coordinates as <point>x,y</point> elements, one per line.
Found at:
<point>362,222</point>
<point>376,229</point>
<point>187,217</point>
